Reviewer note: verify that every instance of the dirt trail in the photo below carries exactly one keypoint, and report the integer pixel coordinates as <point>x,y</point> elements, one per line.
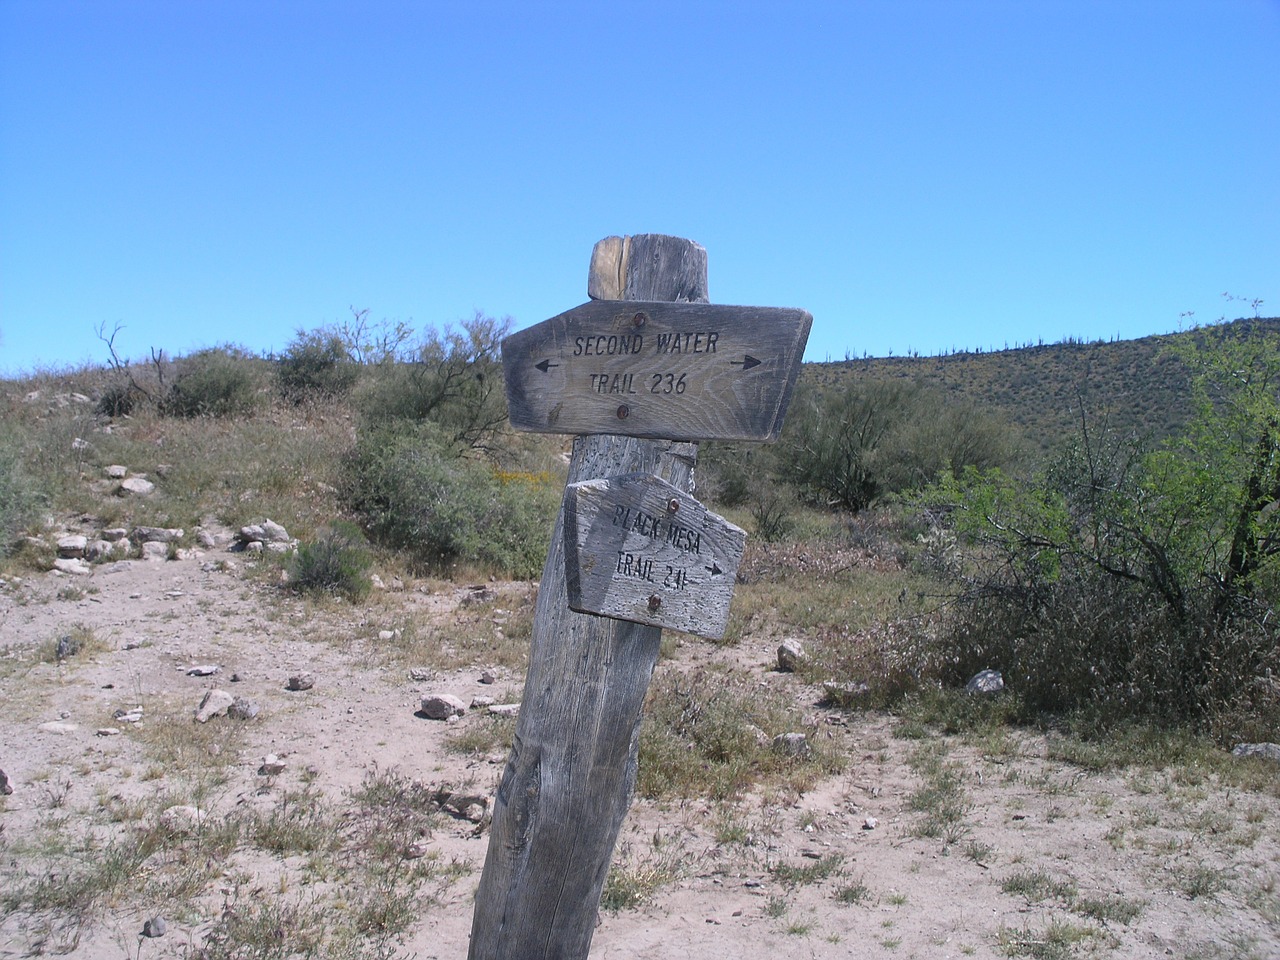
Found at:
<point>1052,860</point>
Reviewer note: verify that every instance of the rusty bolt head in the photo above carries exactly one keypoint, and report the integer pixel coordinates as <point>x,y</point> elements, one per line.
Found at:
<point>673,505</point>
<point>655,602</point>
<point>623,412</point>
<point>639,319</point>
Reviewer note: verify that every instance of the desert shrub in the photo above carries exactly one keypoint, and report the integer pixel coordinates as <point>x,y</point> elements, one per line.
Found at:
<point>336,562</point>
<point>316,365</point>
<point>454,381</point>
<point>119,399</point>
<point>851,446</point>
<point>217,382</point>
<point>1133,582</point>
<point>414,492</point>
<point>20,495</point>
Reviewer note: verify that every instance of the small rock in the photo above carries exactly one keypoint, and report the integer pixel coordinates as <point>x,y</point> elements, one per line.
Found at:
<point>385,635</point>
<point>300,681</point>
<point>158,534</point>
<point>108,732</point>
<point>6,785</point>
<point>870,823</point>
<point>790,655</point>
<point>488,676</point>
<point>98,549</point>
<point>115,533</point>
<point>59,726</point>
<point>271,766</point>
<point>479,703</point>
<point>794,745</point>
<point>375,581</point>
<point>252,533</point>
<point>214,704</point>
<point>985,681</point>
<point>274,547</point>
<point>67,647</point>
<point>77,568</point>
<point>442,706</point>
<point>273,532</point>
<point>203,670</point>
<point>421,674</point>
<point>116,471</point>
<point>505,709</point>
<point>205,538</point>
<point>155,927</point>
<point>72,547</point>
<point>242,709</point>
<point>128,716</point>
<point>155,551</point>
<point>137,487</point>
<point>1268,751</point>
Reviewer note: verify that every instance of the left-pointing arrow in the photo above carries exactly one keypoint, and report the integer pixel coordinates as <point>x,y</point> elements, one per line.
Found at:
<point>546,365</point>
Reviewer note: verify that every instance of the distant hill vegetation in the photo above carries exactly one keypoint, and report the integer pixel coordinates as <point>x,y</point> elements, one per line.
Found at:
<point>1136,386</point>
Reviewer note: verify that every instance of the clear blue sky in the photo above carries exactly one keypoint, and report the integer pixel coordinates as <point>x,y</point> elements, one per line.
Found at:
<point>919,174</point>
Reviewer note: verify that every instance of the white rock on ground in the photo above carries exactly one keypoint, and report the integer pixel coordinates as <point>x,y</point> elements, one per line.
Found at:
<point>442,706</point>
<point>215,703</point>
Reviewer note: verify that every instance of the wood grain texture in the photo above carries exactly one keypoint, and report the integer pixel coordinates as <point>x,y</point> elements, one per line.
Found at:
<point>639,549</point>
<point>607,277</point>
<point>683,371</point>
<point>568,783</point>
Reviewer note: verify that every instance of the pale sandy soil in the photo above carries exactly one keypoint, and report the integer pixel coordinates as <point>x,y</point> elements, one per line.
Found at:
<point>1138,838</point>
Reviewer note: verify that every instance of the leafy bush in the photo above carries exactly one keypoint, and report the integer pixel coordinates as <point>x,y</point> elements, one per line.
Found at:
<point>317,365</point>
<point>414,492</point>
<point>336,562</point>
<point>20,497</point>
<point>1131,582</point>
<point>218,382</point>
<point>851,446</point>
<point>454,381</point>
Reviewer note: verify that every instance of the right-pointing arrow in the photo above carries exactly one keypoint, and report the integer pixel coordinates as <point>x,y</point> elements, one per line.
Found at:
<point>747,363</point>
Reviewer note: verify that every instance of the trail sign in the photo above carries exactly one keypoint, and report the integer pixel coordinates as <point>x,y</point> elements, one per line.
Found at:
<point>637,548</point>
<point>662,370</point>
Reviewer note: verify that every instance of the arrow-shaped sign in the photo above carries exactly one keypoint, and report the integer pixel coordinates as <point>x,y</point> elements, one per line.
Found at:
<point>637,548</point>
<point>665,370</point>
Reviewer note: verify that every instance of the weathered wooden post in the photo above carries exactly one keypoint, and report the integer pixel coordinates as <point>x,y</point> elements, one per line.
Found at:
<point>636,384</point>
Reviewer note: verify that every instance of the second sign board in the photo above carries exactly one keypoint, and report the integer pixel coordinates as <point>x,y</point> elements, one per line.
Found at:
<point>636,548</point>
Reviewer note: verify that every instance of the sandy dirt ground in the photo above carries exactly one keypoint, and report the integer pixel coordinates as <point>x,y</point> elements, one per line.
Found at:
<point>1052,860</point>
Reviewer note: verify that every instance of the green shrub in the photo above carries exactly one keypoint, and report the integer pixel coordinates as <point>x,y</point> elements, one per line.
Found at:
<point>317,365</point>
<point>336,562</point>
<point>1132,583</point>
<point>454,381</point>
<point>851,446</point>
<point>218,382</point>
<point>414,492</point>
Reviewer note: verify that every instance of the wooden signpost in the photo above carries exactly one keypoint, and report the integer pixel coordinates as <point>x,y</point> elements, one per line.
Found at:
<point>632,551</point>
